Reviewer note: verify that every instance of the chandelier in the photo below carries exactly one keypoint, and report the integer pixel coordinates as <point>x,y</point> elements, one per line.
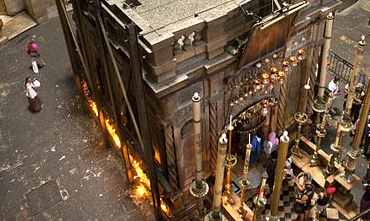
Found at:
<point>262,77</point>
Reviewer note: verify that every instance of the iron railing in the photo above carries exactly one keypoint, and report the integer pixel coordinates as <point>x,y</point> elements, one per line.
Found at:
<point>360,215</point>
<point>341,68</point>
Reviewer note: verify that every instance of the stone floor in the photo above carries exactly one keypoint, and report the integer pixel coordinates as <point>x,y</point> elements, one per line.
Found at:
<point>54,165</point>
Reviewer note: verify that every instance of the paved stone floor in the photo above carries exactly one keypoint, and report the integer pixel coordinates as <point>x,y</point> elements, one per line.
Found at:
<point>54,165</point>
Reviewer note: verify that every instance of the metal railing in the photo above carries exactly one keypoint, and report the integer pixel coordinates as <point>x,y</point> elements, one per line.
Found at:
<point>360,215</point>
<point>339,67</point>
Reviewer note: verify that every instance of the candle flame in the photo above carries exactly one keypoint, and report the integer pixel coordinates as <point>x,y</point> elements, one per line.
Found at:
<point>165,208</point>
<point>157,156</point>
<point>93,107</point>
<point>112,132</point>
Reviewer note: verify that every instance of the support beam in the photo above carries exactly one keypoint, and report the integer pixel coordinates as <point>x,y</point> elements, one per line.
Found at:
<point>136,67</point>
<point>73,45</point>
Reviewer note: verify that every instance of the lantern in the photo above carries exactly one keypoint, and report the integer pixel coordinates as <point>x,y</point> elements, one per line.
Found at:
<point>293,60</point>
<point>301,53</point>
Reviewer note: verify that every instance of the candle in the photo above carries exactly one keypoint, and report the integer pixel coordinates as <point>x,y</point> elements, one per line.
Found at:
<point>249,139</point>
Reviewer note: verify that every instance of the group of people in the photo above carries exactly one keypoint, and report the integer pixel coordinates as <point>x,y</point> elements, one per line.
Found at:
<point>31,83</point>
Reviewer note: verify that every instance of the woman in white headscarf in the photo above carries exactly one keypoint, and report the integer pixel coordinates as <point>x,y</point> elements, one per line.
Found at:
<point>33,98</point>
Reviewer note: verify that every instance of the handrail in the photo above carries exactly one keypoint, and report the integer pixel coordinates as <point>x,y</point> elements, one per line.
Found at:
<point>360,215</point>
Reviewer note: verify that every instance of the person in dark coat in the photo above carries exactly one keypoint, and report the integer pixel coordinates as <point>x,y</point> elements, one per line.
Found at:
<point>366,139</point>
<point>270,169</point>
<point>365,200</point>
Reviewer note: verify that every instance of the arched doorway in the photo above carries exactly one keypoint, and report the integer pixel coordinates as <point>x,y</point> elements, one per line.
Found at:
<point>253,122</point>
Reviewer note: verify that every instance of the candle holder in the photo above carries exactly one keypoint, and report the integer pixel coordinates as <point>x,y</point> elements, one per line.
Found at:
<point>230,162</point>
<point>330,168</point>
<point>244,183</point>
<point>260,200</point>
<point>321,131</point>
<point>350,165</point>
<point>300,118</point>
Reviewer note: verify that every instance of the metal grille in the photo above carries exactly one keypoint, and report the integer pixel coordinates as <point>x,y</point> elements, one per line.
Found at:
<point>339,67</point>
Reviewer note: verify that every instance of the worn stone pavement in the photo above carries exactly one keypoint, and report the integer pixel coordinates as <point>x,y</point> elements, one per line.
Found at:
<point>54,165</point>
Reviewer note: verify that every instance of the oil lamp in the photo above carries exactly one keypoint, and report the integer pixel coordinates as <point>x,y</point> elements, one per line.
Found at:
<point>257,84</point>
<point>301,54</point>
<point>265,78</point>
<point>293,60</point>
<point>273,77</point>
<point>267,61</point>
<point>285,65</point>
<point>281,76</point>
<point>273,70</point>
<point>258,65</point>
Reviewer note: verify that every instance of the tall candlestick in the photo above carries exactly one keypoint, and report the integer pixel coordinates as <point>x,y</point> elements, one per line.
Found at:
<point>279,170</point>
<point>199,187</point>
<point>216,214</point>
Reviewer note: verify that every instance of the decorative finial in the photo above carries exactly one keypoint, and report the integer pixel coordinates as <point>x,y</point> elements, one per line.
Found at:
<point>285,137</point>
<point>362,42</point>
<point>196,97</point>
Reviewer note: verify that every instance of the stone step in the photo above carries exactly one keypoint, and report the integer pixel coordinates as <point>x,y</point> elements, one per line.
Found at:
<point>16,25</point>
<point>365,4</point>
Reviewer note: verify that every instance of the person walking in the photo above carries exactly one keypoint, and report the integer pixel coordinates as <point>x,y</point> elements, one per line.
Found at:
<point>33,98</point>
<point>33,50</point>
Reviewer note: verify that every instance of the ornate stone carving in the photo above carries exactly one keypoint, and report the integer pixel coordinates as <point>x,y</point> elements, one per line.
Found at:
<point>171,157</point>
<point>213,133</point>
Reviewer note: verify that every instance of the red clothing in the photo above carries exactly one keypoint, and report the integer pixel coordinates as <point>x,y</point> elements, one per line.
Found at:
<point>32,48</point>
<point>331,190</point>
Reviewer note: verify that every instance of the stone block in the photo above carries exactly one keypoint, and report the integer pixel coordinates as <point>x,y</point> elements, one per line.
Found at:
<point>161,55</point>
<point>156,71</point>
<point>36,9</point>
<point>14,6</point>
<point>215,53</point>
